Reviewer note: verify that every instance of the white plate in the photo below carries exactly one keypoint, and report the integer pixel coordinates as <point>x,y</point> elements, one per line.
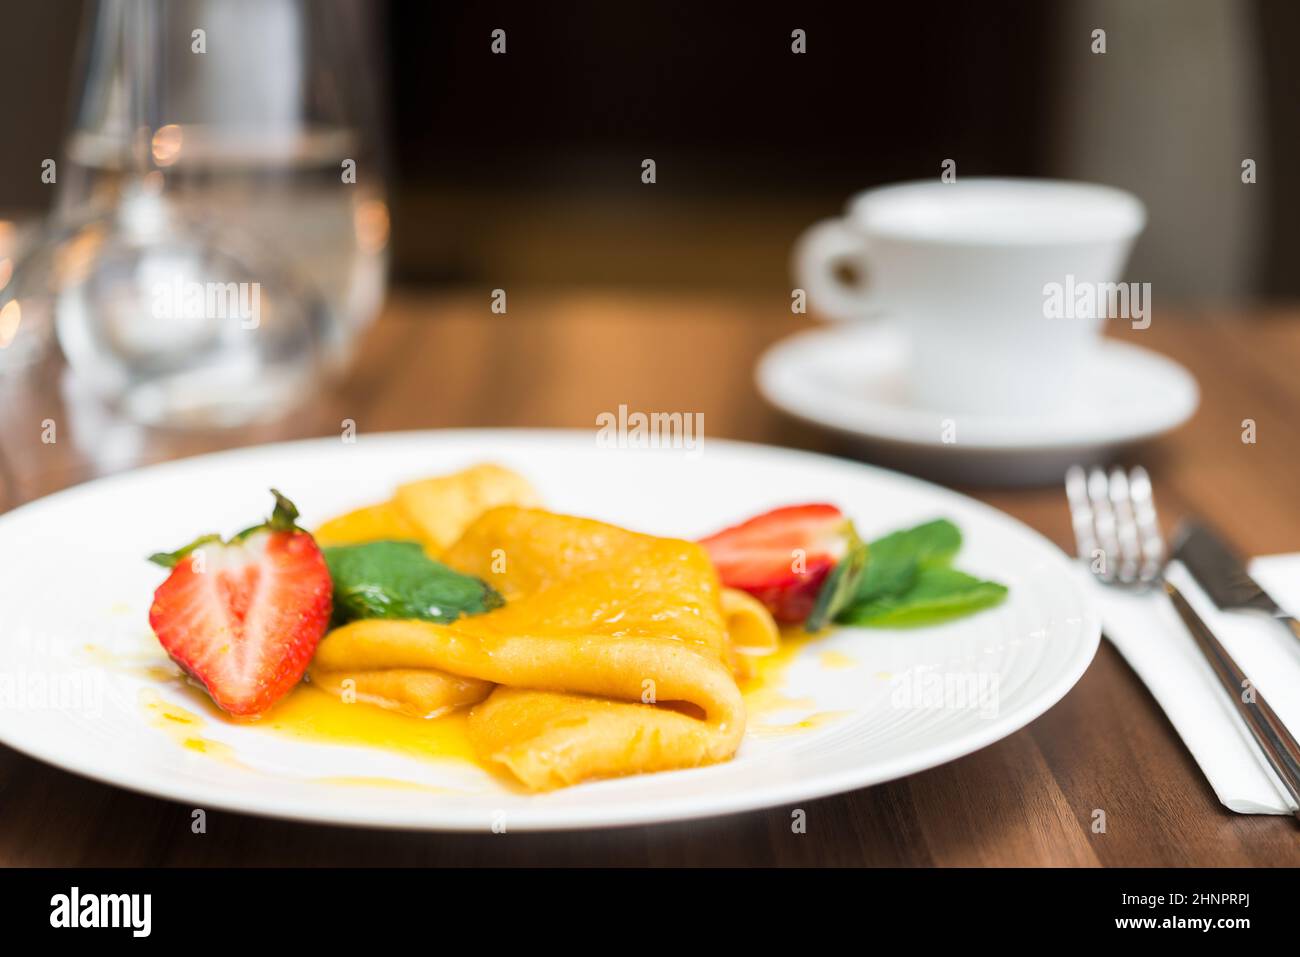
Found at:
<point>73,574</point>
<point>849,378</point>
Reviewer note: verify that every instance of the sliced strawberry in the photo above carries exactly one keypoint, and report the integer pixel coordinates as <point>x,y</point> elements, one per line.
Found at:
<point>783,557</point>
<point>244,617</point>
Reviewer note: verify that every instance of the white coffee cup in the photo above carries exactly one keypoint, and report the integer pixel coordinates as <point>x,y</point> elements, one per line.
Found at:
<point>965,269</point>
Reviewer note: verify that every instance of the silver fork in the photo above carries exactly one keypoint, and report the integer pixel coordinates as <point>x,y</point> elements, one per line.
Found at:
<point>1117,535</point>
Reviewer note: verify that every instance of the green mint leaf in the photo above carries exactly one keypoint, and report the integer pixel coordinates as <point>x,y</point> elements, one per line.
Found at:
<point>390,579</point>
<point>895,560</point>
<point>937,594</point>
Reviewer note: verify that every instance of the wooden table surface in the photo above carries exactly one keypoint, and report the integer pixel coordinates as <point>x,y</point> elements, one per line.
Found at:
<point>558,359</point>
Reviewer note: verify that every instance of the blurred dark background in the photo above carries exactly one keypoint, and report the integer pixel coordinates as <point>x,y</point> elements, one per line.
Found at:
<point>527,166</point>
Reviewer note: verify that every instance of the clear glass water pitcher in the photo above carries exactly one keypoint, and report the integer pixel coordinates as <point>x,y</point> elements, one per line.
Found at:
<point>220,233</point>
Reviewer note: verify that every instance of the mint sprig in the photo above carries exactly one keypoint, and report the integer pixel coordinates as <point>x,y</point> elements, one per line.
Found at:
<point>395,579</point>
<point>909,581</point>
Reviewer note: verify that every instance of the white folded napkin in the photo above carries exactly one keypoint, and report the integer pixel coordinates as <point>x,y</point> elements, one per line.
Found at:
<point>1153,640</point>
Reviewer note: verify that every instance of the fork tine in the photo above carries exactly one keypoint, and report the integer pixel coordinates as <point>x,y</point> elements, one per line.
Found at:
<point>1129,555</point>
<point>1076,493</point>
<point>1103,521</point>
<point>1150,540</point>
<point>1114,518</point>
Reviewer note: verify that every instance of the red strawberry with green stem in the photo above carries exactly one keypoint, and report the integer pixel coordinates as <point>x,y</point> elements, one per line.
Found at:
<point>785,559</point>
<point>244,616</point>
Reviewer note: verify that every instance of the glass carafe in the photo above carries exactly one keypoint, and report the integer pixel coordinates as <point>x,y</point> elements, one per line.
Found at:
<point>220,233</point>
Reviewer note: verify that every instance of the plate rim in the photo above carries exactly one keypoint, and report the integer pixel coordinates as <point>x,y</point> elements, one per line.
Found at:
<point>559,818</point>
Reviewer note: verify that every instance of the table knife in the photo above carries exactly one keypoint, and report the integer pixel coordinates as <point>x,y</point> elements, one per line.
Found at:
<point>1272,736</point>
<point>1223,575</point>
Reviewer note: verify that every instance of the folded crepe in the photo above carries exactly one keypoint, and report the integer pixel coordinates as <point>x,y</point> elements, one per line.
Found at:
<point>614,654</point>
<point>434,511</point>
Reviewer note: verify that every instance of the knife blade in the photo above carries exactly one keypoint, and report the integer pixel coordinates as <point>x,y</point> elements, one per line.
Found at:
<point>1223,575</point>
<point>1220,572</point>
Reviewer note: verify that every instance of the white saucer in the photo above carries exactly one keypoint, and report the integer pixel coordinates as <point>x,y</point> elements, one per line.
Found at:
<point>851,379</point>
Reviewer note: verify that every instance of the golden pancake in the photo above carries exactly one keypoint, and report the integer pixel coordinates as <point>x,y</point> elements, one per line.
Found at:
<point>612,652</point>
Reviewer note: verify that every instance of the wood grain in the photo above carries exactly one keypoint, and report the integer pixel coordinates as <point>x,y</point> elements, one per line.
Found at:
<point>558,358</point>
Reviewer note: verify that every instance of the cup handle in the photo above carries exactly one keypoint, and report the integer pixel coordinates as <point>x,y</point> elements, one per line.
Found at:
<point>819,250</point>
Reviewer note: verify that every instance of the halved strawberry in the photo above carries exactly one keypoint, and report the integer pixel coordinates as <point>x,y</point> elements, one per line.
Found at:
<point>244,616</point>
<point>784,556</point>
